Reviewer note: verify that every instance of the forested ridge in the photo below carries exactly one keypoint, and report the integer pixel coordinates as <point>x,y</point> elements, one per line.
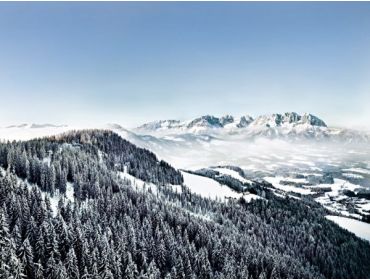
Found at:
<point>114,230</point>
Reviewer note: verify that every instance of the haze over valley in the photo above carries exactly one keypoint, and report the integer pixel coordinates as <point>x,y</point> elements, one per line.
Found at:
<point>299,155</point>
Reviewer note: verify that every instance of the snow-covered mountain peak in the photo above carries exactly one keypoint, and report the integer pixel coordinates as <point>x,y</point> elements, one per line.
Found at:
<point>289,119</point>
<point>114,126</point>
<point>312,120</point>
<point>198,124</point>
<point>207,121</point>
<point>289,125</point>
<point>158,125</point>
<point>244,121</point>
<point>229,122</point>
<point>227,119</point>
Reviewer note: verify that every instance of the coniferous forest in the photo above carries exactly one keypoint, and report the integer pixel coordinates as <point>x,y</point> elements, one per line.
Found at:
<point>113,229</point>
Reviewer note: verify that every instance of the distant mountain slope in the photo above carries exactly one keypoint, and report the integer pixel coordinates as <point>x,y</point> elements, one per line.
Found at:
<point>288,119</point>
<point>200,124</point>
<point>226,122</point>
<point>35,125</point>
<point>289,126</point>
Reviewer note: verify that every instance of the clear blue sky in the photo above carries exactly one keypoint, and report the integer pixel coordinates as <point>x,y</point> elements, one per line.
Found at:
<point>83,63</point>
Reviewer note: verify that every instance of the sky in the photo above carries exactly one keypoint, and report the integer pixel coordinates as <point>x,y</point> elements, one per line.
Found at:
<point>129,63</point>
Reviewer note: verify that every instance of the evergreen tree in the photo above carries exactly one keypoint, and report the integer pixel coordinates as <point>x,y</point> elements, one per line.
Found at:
<point>25,255</point>
<point>153,271</point>
<point>71,265</point>
<point>39,272</point>
<point>131,268</point>
<point>6,246</point>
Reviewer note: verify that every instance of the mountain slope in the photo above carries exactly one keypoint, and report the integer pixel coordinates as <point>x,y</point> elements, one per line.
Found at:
<point>114,229</point>
<point>119,154</point>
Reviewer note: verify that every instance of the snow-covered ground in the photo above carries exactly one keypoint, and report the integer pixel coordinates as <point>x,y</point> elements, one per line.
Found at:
<point>332,200</point>
<point>54,200</point>
<point>353,176</point>
<point>70,192</point>
<point>359,228</point>
<point>339,185</point>
<point>276,182</point>
<point>210,188</point>
<point>233,174</point>
<point>142,185</point>
<point>249,197</point>
<point>358,170</point>
<point>207,187</point>
<point>138,183</point>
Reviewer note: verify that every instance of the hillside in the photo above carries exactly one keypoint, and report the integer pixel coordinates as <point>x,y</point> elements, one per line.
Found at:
<point>103,225</point>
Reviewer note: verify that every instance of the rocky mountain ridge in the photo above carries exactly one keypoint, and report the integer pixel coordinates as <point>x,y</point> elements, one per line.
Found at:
<point>229,122</point>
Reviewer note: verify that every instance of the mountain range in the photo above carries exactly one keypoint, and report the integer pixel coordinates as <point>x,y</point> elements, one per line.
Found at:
<point>229,122</point>
<point>289,126</point>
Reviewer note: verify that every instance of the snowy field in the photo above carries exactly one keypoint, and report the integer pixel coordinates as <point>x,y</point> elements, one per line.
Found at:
<point>359,228</point>
<point>137,183</point>
<point>142,185</point>
<point>233,174</point>
<point>276,182</point>
<point>207,187</point>
<point>210,188</point>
